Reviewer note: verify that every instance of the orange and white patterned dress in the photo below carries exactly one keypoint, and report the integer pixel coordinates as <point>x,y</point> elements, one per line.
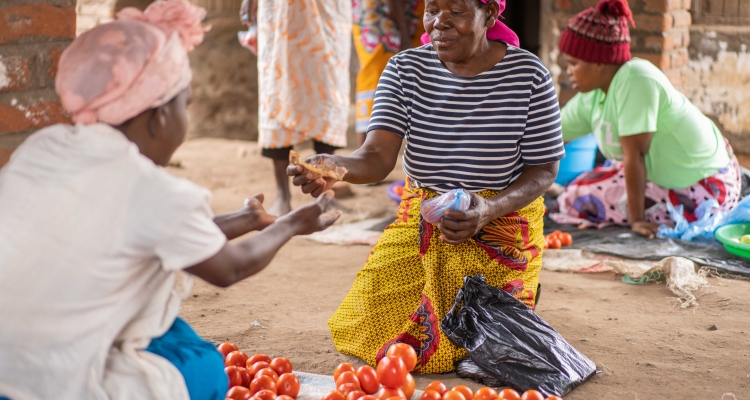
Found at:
<point>303,71</point>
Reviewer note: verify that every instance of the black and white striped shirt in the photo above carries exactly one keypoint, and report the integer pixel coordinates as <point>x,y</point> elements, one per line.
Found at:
<point>475,132</point>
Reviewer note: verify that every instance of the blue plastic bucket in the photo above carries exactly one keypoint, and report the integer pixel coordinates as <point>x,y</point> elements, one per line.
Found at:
<point>580,156</point>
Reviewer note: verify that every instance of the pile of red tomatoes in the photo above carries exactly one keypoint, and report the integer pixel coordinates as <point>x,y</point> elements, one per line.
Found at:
<point>392,381</point>
<point>258,377</point>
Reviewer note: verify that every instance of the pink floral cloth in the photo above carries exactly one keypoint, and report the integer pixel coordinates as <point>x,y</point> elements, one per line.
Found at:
<point>598,198</point>
<point>118,70</point>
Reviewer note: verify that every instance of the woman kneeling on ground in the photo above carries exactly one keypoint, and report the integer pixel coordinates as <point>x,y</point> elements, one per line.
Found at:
<point>95,230</point>
<point>662,148</point>
<point>477,113</point>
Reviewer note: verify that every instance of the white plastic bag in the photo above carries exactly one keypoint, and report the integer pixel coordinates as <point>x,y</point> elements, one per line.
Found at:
<point>457,199</point>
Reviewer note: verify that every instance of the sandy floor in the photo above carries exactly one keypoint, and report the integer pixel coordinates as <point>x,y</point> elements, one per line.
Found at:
<point>645,346</point>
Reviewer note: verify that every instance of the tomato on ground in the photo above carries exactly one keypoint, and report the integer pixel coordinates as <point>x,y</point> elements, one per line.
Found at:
<point>438,387</point>
<point>288,385</point>
<point>368,379</point>
<point>355,395</point>
<point>387,393</point>
<point>258,357</point>
<point>255,368</point>
<point>509,394</point>
<point>265,394</point>
<point>453,395</point>
<point>341,368</point>
<point>234,375</point>
<point>334,395</point>
<point>347,388</point>
<point>263,382</point>
<point>226,348</point>
<point>532,395</point>
<point>268,372</point>
<point>347,377</point>
<point>283,397</point>
<point>406,353</point>
<point>430,395</point>
<point>391,372</point>
<point>281,365</point>
<point>554,398</point>
<point>566,239</point>
<point>486,393</point>
<point>554,243</point>
<point>236,358</point>
<point>368,397</point>
<point>465,390</point>
<point>409,386</point>
<point>246,378</point>
<point>239,393</point>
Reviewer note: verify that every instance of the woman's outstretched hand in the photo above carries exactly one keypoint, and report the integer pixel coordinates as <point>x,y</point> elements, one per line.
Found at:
<point>310,182</point>
<point>311,218</point>
<point>458,226</point>
<point>258,218</point>
<point>647,229</point>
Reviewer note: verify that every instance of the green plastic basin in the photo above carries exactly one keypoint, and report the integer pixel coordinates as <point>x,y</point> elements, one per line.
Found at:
<point>727,232</point>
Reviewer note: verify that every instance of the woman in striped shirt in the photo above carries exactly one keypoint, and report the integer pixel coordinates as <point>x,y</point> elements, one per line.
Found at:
<point>477,113</point>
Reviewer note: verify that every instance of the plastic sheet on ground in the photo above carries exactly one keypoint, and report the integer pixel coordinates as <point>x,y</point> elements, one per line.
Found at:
<point>314,386</point>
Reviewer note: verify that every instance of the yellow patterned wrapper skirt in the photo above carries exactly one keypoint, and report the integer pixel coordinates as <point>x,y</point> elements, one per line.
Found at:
<point>411,278</point>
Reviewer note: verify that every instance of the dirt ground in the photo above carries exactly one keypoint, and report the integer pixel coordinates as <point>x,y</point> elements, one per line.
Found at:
<point>645,345</point>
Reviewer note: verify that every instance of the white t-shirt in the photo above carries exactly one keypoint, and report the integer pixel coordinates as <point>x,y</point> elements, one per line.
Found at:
<point>92,236</point>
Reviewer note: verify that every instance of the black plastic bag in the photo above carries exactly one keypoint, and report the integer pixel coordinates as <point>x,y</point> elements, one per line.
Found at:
<point>507,340</point>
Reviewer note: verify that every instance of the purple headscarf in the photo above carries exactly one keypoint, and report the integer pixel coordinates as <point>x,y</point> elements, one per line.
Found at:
<point>498,32</point>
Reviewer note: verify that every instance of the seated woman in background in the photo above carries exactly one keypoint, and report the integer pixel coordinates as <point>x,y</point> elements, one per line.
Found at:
<point>662,148</point>
<point>95,230</point>
<point>476,113</point>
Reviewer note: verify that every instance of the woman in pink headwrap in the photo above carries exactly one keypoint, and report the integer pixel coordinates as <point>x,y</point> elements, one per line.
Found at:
<point>479,114</point>
<point>96,233</point>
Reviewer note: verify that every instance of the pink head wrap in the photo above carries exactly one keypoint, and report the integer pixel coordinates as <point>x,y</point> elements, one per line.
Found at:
<point>118,70</point>
<point>499,31</point>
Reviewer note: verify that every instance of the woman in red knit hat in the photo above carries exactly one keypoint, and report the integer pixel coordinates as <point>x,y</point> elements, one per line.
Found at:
<point>661,149</point>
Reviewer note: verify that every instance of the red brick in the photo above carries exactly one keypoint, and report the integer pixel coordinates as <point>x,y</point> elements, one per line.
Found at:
<point>37,20</point>
<point>563,4</point>
<point>653,23</point>
<point>54,56</point>
<point>4,156</point>
<point>17,70</point>
<point>659,43</point>
<point>19,118</point>
<point>687,4</point>
<point>661,60</point>
<point>682,19</point>
<point>661,6</point>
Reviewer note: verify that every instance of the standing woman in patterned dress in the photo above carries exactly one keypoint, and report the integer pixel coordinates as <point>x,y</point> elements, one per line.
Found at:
<point>381,29</point>
<point>303,74</point>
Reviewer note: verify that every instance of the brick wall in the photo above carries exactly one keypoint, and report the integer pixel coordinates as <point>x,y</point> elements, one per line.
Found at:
<point>662,35</point>
<point>33,34</point>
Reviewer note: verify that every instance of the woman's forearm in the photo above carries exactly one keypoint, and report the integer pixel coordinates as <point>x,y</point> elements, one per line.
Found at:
<point>533,182</point>
<point>234,224</point>
<point>373,161</point>
<point>635,186</point>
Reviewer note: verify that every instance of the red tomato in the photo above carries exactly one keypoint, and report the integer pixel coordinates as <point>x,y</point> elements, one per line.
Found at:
<point>283,397</point>
<point>268,372</point>
<point>368,379</point>
<point>397,398</point>
<point>254,368</point>
<point>355,395</point>
<point>258,357</point>
<point>288,385</point>
<point>334,395</point>
<point>464,390</point>
<point>554,243</point>
<point>235,376</point>
<point>485,393</point>
<point>236,358</point>
<point>347,377</point>
<point>532,395</point>
<point>265,394</point>
<point>246,378</point>
<point>386,393</point>
<point>438,387</point>
<point>406,353</point>
<point>347,388</point>
<point>409,386</point>
<point>556,234</point>
<point>263,382</point>
<point>226,348</point>
<point>509,394</point>
<point>368,397</point>
<point>554,398</point>
<point>430,395</point>
<point>281,365</point>
<point>341,368</point>
<point>566,239</point>
<point>454,395</point>
<point>391,372</point>
<point>239,393</point>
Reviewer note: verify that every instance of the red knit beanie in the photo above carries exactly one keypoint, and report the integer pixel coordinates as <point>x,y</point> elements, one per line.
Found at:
<point>601,34</point>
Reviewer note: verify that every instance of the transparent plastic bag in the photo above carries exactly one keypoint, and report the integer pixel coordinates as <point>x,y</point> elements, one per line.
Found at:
<point>710,218</point>
<point>457,199</point>
<point>249,39</point>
